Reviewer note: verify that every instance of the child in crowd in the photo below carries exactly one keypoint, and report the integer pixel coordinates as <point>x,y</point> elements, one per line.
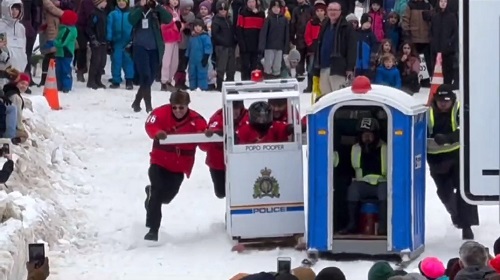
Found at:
<point>119,32</point>
<point>392,29</point>
<point>187,18</point>
<point>409,68</point>
<point>367,42</point>
<point>207,16</point>
<point>65,50</point>
<point>14,105</point>
<point>353,19</point>
<point>171,34</point>
<point>378,18</point>
<point>311,39</point>
<point>96,32</point>
<point>388,73</point>
<point>385,47</point>
<point>198,52</point>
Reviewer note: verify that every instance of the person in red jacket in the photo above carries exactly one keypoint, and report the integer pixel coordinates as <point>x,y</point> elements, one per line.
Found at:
<point>169,163</point>
<point>280,112</point>
<point>215,151</point>
<point>260,128</point>
<point>311,38</point>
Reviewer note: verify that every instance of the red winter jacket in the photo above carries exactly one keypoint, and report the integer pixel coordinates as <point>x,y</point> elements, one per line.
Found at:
<point>378,19</point>
<point>311,34</point>
<point>215,151</point>
<point>177,158</point>
<point>276,133</point>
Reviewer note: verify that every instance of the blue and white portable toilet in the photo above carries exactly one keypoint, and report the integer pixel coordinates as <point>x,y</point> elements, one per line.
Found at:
<point>406,123</point>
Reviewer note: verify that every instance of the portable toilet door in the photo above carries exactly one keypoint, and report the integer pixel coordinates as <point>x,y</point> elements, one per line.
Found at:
<point>406,142</point>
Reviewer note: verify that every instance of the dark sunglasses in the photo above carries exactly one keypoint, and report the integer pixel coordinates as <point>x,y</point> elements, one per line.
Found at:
<point>174,107</point>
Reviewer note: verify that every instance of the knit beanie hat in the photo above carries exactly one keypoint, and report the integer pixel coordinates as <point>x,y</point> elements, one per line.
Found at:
<point>380,271</point>
<point>69,18</point>
<point>320,4</point>
<point>351,17</point>
<point>206,4</point>
<point>183,4</point>
<point>23,77</point>
<point>294,55</point>
<point>330,273</point>
<point>431,268</point>
<point>365,18</point>
<point>304,273</point>
<point>97,2</point>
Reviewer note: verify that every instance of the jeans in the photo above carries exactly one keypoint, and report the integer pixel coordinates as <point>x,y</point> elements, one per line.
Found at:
<point>10,121</point>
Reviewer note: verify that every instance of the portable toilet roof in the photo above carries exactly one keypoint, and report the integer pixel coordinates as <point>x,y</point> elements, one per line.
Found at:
<point>361,90</point>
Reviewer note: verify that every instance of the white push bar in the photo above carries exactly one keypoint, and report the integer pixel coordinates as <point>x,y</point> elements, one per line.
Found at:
<point>191,139</point>
<point>262,95</point>
<point>281,84</point>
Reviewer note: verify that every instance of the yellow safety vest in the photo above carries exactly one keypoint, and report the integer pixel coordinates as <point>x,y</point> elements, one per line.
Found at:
<point>372,179</point>
<point>335,158</point>
<point>432,147</point>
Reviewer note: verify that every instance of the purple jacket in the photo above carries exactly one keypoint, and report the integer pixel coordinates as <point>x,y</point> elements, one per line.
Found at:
<point>86,8</point>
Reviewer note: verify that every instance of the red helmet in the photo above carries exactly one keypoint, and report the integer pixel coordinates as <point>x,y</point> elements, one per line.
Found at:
<point>257,75</point>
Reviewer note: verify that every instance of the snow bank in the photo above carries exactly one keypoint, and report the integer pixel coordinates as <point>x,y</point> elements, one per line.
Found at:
<point>31,207</point>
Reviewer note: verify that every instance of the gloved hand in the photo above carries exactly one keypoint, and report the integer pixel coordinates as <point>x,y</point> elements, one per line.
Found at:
<point>48,45</point>
<point>289,129</point>
<point>209,132</point>
<point>441,139</point>
<point>204,60</point>
<point>161,135</point>
<point>6,100</point>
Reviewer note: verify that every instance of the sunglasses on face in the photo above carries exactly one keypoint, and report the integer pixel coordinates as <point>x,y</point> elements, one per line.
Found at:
<point>178,107</point>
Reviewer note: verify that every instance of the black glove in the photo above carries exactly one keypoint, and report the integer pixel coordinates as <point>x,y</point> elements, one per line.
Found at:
<point>289,129</point>
<point>6,101</point>
<point>441,139</point>
<point>204,60</point>
<point>178,24</point>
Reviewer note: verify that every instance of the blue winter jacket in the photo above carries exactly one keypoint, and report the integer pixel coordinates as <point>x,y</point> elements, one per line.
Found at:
<point>367,43</point>
<point>198,46</point>
<point>119,27</point>
<point>388,77</point>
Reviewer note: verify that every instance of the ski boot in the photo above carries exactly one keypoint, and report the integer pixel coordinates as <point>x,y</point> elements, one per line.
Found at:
<point>152,235</point>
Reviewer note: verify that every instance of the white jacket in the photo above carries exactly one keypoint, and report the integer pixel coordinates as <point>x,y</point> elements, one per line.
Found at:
<point>15,35</point>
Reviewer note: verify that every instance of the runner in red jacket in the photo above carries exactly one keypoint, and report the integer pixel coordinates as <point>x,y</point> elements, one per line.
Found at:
<point>261,128</point>
<point>280,112</point>
<point>169,163</point>
<point>215,151</point>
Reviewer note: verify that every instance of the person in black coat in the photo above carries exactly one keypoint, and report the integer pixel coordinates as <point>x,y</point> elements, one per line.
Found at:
<point>444,39</point>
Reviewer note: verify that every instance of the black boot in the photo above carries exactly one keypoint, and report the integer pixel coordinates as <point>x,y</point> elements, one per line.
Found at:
<point>152,235</point>
<point>163,87</point>
<point>80,77</point>
<point>382,218</point>
<point>136,105</point>
<point>129,84</point>
<point>309,87</point>
<point>467,233</point>
<point>147,100</point>
<point>114,85</point>
<point>220,80</point>
<point>352,227</point>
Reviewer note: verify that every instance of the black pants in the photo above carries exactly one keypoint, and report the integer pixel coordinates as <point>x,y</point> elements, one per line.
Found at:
<point>226,63</point>
<point>249,62</point>
<point>425,49</point>
<point>30,42</point>
<point>301,67</point>
<point>97,64</point>
<point>164,187</point>
<point>219,180</point>
<point>446,176</point>
<point>81,52</point>
<point>45,66</point>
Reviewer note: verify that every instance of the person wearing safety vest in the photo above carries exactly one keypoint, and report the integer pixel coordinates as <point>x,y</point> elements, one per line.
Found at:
<point>443,157</point>
<point>369,161</point>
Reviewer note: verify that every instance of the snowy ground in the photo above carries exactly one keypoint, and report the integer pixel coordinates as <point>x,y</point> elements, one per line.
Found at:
<point>114,149</point>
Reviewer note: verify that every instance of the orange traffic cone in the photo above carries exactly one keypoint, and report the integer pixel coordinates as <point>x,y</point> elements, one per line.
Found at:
<point>50,90</point>
<point>437,79</point>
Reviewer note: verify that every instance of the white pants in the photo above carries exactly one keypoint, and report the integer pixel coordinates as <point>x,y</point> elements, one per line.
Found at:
<point>272,62</point>
<point>329,83</point>
<point>169,62</point>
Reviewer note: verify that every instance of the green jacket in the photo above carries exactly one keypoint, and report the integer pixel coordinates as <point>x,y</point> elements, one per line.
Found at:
<point>156,17</point>
<point>66,41</point>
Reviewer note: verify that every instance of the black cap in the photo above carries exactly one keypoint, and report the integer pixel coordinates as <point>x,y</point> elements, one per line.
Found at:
<point>445,92</point>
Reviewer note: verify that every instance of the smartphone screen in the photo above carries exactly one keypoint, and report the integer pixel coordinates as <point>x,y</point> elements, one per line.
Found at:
<point>36,252</point>
<point>284,265</point>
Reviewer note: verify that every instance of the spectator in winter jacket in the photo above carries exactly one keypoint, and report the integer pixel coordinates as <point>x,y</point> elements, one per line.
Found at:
<point>311,39</point>
<point>65,50</point>
<point>148,47</point>
<point>388,73</point>
<point>96,31</point>
<point>274,40</point>
<point>187,18</point>
<point>392,30</point>
<point>14,33</point>
<point>12,97</point>
<point>224,41</point>
<point>416,24</point>
<point>172,36</point>
<point>250,22</point>
<point>444,39</point>
<point>378,18</point>
<point>206,15</point>
<point>198,52</point>
<point>409,68</point>
<point>301,15</point>
<point>84,11</point>
<point>367,44</point>
<point>119,33</point>
<point>335,57</point>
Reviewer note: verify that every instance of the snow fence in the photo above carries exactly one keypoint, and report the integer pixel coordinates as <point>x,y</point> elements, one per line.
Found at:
<point>31,204</point>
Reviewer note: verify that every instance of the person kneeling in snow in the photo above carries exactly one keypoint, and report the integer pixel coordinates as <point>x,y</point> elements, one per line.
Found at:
<point>15,128</point>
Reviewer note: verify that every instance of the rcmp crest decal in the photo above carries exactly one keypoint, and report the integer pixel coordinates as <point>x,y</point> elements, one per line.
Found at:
<point>266,185</point>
